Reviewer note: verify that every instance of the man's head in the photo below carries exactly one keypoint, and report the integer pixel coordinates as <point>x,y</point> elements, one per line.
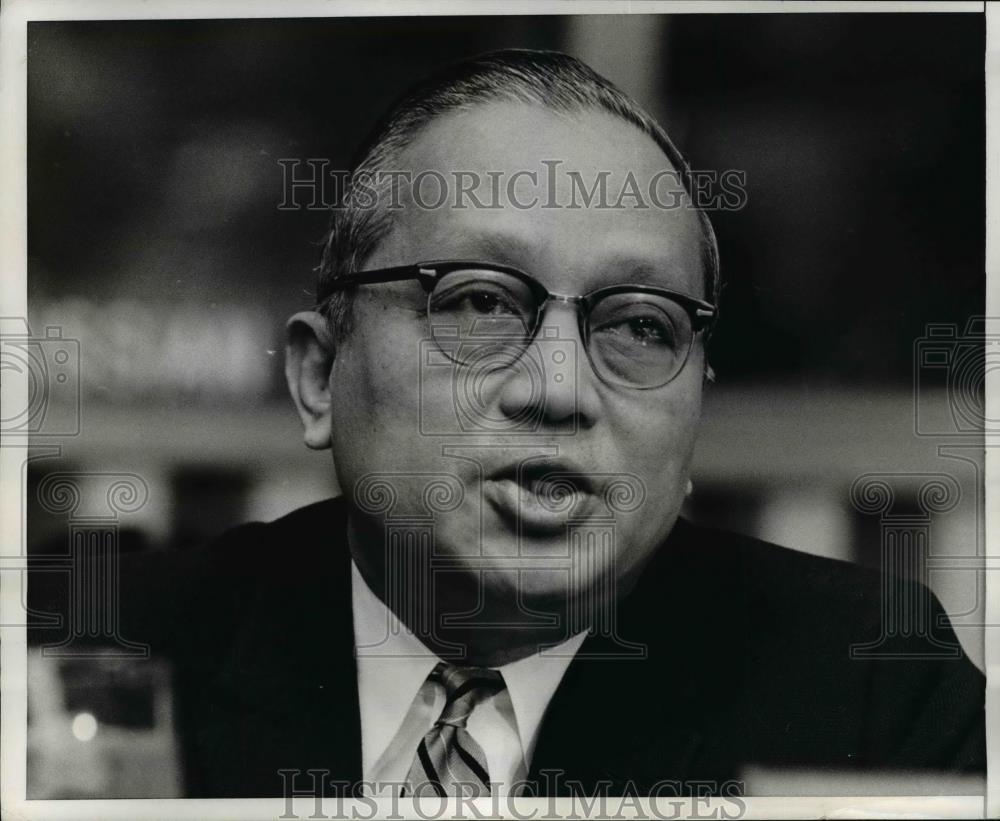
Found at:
<point>548,443</point>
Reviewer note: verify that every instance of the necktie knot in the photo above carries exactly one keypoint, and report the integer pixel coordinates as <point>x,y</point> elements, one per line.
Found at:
<point>459,681</point>
<point>464,687</point>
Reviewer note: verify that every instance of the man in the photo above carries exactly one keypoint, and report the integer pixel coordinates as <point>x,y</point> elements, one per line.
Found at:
<point>505,599</point>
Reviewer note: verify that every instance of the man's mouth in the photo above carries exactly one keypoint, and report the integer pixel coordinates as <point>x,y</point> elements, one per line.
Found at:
<point>540,496</point>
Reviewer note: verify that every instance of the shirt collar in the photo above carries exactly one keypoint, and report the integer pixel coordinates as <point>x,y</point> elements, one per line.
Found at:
<point>386,696</point>
<point>531,682</point>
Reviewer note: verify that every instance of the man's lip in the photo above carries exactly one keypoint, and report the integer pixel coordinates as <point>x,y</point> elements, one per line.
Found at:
<point>540,497</point>
<point>565,473</point>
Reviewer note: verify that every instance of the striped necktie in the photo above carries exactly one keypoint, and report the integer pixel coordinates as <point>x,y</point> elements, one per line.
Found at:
<point>447,755</point>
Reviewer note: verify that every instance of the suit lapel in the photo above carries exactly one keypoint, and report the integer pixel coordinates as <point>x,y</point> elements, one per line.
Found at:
<point>286,696</point>
<point>619,718</point>
<point>615,720</point>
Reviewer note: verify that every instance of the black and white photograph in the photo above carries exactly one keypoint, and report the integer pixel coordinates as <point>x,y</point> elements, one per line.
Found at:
<point>467,410</point>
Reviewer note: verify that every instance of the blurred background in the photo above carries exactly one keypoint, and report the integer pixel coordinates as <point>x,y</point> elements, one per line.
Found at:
<point>156,243</point>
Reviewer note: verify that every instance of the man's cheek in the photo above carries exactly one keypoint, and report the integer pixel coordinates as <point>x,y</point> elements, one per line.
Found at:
<point>662,460</point>
<point>391,387</point>
<point>441,407</point>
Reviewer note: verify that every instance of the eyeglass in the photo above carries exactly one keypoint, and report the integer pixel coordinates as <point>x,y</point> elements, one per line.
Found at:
<point>635,336</point>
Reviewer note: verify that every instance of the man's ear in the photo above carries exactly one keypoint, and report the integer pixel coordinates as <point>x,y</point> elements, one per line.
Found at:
<point>308,359</point>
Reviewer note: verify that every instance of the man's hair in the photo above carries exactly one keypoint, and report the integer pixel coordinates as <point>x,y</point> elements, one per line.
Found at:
<point>549,79</point>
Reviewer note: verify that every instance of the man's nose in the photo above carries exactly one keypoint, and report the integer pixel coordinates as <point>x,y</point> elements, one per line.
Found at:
<point>552,386</point>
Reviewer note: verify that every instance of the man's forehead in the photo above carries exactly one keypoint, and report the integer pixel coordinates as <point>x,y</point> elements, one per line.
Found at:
<point>518,184</point>
<point>514,136</point>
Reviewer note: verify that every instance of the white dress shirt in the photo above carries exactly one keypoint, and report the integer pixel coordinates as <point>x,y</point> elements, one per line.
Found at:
<point>399,705</point>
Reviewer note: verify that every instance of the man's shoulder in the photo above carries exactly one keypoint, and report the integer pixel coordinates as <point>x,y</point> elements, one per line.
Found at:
<point>310,533</point>
<point>326,518</point>
<point>825,662</point>
<point>792,596</point>
<point>278,567</point>
<point>260,583</point>
<point>194,602</point>
<point>762,569</point>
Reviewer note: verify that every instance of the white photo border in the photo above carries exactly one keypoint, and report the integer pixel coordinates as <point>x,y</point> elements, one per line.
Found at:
<point>14,17</point>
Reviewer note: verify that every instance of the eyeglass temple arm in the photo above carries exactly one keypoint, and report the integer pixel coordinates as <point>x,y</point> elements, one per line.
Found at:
<point>427,276</point>
<point>704,316</point>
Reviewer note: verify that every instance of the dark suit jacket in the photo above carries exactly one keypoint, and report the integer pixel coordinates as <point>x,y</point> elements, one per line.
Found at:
<point>748,663</point>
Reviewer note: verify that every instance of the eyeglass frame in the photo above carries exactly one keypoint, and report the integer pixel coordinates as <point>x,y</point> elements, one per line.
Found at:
<point>701,313</point>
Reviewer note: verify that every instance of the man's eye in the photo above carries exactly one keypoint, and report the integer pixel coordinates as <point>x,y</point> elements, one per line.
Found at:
<point>484,303</point>
<point>643,330</point>
<point>487,303</point>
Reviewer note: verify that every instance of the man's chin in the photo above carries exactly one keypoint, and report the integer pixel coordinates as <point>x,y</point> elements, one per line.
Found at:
<point>550,565</point>
<point>538,594</point>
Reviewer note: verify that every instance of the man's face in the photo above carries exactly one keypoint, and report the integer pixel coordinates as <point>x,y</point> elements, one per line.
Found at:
<point>395,403</point>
